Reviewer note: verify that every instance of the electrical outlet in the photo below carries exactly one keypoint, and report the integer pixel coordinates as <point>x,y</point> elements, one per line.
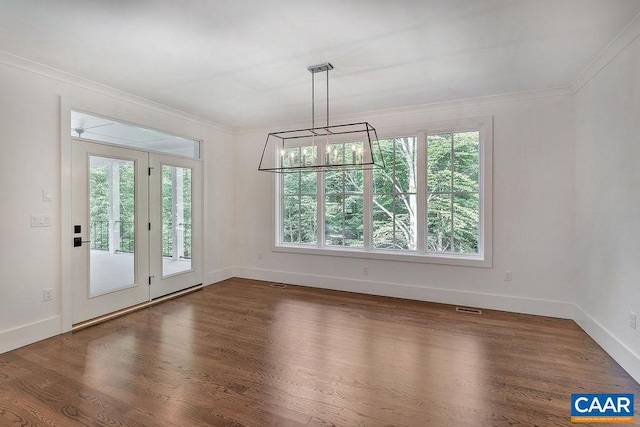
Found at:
<point>365,270</point>
<point>632,320</point>
<point>507,276</point>
<point>47,294</point>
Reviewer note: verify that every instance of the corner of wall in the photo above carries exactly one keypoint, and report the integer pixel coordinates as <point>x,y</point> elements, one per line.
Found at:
<point>213,277</point>
<point>617,349</point>
<point>604,75</point>
<point>608,54</point>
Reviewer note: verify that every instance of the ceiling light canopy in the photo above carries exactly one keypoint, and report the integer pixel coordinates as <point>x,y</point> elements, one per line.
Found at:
<point>331,147</point>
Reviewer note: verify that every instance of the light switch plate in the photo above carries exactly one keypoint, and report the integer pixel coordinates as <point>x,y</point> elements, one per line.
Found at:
<point>41,220</point>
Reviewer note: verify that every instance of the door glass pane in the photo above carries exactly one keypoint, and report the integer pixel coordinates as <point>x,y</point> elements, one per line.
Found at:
<point>176,220</point>
<point>112,224</point>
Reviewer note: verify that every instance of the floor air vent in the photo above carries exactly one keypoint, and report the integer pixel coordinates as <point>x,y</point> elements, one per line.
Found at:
<point>468,310</point>
<point>278,285</point>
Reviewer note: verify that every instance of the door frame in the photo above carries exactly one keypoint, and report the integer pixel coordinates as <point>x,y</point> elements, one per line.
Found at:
<point>136,111</point>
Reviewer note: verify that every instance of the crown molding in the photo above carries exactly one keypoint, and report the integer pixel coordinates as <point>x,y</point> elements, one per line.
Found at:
<point>630,33</point>
<point>28,65</point>
<point>608,54</point>
<point>422,108</point>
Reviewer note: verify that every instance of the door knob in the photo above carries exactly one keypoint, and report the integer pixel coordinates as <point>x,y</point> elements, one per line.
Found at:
<point>77,241</point>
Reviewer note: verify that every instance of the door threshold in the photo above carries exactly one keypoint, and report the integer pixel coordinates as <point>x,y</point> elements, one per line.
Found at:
<point>133,308</point>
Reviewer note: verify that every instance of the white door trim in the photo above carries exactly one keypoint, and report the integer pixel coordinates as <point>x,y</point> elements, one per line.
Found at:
<point>66,229</point>
<point>118,109</point>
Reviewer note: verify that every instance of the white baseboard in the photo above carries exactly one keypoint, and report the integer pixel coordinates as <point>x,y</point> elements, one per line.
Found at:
<point>47,328</point>
<point>28,334</point>
<point>218,276</point>
<point>561,309</point>
<point>618,350</point>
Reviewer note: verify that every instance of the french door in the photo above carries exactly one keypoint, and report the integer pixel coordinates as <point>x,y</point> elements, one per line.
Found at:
<point>137,226</point>
<point>175,209</point>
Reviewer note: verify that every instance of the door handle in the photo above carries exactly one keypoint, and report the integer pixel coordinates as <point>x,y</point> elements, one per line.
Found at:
<point>77,241</point>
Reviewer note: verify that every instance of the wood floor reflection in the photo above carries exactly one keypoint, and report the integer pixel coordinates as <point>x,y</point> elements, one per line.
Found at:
<point>244,353</point>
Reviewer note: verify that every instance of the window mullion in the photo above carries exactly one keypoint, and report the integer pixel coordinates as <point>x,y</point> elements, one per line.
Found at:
<point>344,210</point>
<point>299,207</point>
<point>367,209</point>
<point>320,207</point>
<point>421,192</point>
<point>452,160</point>
<point>280,210</point>
<point>393,195</point>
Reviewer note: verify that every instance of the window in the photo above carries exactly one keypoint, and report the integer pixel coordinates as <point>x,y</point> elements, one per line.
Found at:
<point>299,204</point>
<point>344,200</point>
<point>431,203</point>
<point>453,192</point>
<point>97,128</point>
<point>395,210</point>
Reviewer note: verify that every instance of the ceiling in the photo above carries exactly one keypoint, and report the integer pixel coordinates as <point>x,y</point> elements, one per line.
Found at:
<point>243,63</point>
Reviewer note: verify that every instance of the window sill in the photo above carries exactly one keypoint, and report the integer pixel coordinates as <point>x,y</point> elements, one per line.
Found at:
<point>405,256</point>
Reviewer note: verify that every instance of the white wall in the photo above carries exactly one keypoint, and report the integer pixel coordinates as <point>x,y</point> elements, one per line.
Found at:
<point>30,258</point>
<point>532,215</point>
<point>608,206</point>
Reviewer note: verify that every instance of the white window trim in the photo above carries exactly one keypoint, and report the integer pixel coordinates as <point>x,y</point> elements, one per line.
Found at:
<point>485,257</point>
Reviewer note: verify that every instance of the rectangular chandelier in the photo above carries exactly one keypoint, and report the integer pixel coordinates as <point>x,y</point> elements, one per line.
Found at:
<point>331,147</point>
<point>348,146</point>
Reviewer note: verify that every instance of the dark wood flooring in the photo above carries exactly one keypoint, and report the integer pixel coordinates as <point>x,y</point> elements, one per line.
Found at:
<point>242,353</point>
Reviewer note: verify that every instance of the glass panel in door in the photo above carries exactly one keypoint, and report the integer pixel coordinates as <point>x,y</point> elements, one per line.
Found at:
<point>176,220</point>
<point>112,224</point>
<point>175,213</point>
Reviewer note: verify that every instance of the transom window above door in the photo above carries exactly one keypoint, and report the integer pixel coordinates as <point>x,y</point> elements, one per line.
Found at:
<point>103,129</point>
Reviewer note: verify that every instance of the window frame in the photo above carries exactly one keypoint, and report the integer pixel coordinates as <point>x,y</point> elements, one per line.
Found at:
<point>484,258</point>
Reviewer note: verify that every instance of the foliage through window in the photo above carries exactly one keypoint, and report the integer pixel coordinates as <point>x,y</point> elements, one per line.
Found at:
<point>343,209</point>
<point>433,197</point>
<point>104,174</point>
<point>394,196</point>
<point>299,204</point>
<point>453,192</point>
<point>176,212</point>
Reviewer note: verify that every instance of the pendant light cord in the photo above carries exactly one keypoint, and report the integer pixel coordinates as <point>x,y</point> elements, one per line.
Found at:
<point>327,72</point>
<point>313,98</point>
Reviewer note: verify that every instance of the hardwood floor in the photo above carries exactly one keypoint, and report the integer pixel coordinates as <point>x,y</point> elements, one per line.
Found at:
<point>244,353</point>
